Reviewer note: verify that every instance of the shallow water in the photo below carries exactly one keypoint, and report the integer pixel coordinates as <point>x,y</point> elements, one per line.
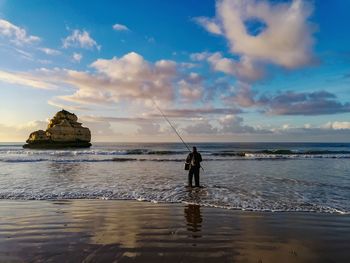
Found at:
<point>249,176</point>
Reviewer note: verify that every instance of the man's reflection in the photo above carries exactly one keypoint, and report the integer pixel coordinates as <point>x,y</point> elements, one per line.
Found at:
<point>194,219</point>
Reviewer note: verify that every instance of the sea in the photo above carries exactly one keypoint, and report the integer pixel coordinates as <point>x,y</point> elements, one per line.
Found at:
<point>303,177</point>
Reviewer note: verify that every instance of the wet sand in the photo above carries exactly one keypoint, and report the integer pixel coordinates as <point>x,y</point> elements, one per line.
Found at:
<point>131,231</point>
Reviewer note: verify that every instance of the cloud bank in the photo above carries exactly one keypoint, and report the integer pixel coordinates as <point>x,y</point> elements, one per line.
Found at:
<point>128,78</point>
<point>288,102</point>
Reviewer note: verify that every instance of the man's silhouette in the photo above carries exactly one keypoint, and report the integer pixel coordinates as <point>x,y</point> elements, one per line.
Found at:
<point>194,159</point>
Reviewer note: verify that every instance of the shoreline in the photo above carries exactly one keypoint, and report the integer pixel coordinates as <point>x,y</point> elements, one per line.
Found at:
<point>333,211</point>
<point>138,231</point>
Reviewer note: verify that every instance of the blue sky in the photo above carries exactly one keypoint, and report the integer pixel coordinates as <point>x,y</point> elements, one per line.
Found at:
<point>227,70</point>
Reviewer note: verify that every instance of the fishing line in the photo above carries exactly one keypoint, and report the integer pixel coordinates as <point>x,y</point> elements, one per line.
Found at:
<point>165,117</point>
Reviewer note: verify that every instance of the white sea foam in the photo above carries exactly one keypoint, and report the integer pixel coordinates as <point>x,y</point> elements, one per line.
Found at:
<point>202,197</point>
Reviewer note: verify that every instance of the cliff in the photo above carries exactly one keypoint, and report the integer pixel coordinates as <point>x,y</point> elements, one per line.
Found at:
<point>63,131</point>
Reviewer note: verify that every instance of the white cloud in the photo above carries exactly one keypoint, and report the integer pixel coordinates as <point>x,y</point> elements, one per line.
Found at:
<point>120,27</point>
<point>243,96</point>
<point>338,125</point>
<point>228,124</point>
<point>188,65</point>
<point>190,88</point>
<point>24,54</point>
<point>25,79</point>
<point>76,57</point>
<point>15,34</point>
<point>190,92</point>
<point>245,69</point>
<point>234,124</point>
<point>200,56</point>
<point>49,51</point>
<point>286,41</point>
<point>209,24</point>
<point>201,127</point>
<point>80,39</point>
<point>129,78</point>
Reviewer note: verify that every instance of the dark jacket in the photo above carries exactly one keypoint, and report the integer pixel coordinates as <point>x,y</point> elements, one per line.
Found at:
<point>196,157</point>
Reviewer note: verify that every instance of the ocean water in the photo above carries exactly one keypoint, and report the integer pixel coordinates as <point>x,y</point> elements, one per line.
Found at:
<point>311,177</point>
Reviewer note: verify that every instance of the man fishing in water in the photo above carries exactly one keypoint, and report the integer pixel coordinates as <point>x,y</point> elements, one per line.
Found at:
<point>194,159</point>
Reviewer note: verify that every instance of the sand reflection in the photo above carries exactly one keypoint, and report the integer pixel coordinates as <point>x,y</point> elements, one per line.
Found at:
<point>128,231</point>
<point>194,219</point>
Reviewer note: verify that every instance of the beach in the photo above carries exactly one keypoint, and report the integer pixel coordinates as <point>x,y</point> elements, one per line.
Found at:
<point>132,231</point>
<point>114,202</point>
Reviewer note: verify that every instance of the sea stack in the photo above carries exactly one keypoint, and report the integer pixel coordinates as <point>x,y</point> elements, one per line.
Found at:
<point>63,131</point>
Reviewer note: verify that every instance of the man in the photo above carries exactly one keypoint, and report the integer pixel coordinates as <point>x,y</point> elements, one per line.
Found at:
<point>194,159</point>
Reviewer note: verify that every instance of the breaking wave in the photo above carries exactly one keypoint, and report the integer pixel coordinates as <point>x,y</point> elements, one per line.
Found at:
<point>210,196</point>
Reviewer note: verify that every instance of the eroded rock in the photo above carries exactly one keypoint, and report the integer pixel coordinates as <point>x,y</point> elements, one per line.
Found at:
<point>63,131</point>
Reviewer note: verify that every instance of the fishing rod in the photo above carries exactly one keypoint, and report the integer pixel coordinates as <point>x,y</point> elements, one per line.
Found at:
<point>165,117</point>
<point>172,126</point>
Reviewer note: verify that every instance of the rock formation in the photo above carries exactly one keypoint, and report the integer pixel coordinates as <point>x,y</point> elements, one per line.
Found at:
<point>63,131</point>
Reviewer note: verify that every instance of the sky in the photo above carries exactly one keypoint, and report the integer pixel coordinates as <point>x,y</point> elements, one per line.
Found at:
<point>224,70</point>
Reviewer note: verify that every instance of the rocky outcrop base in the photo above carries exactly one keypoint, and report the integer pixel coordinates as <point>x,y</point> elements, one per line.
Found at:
<point>57,145</point>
